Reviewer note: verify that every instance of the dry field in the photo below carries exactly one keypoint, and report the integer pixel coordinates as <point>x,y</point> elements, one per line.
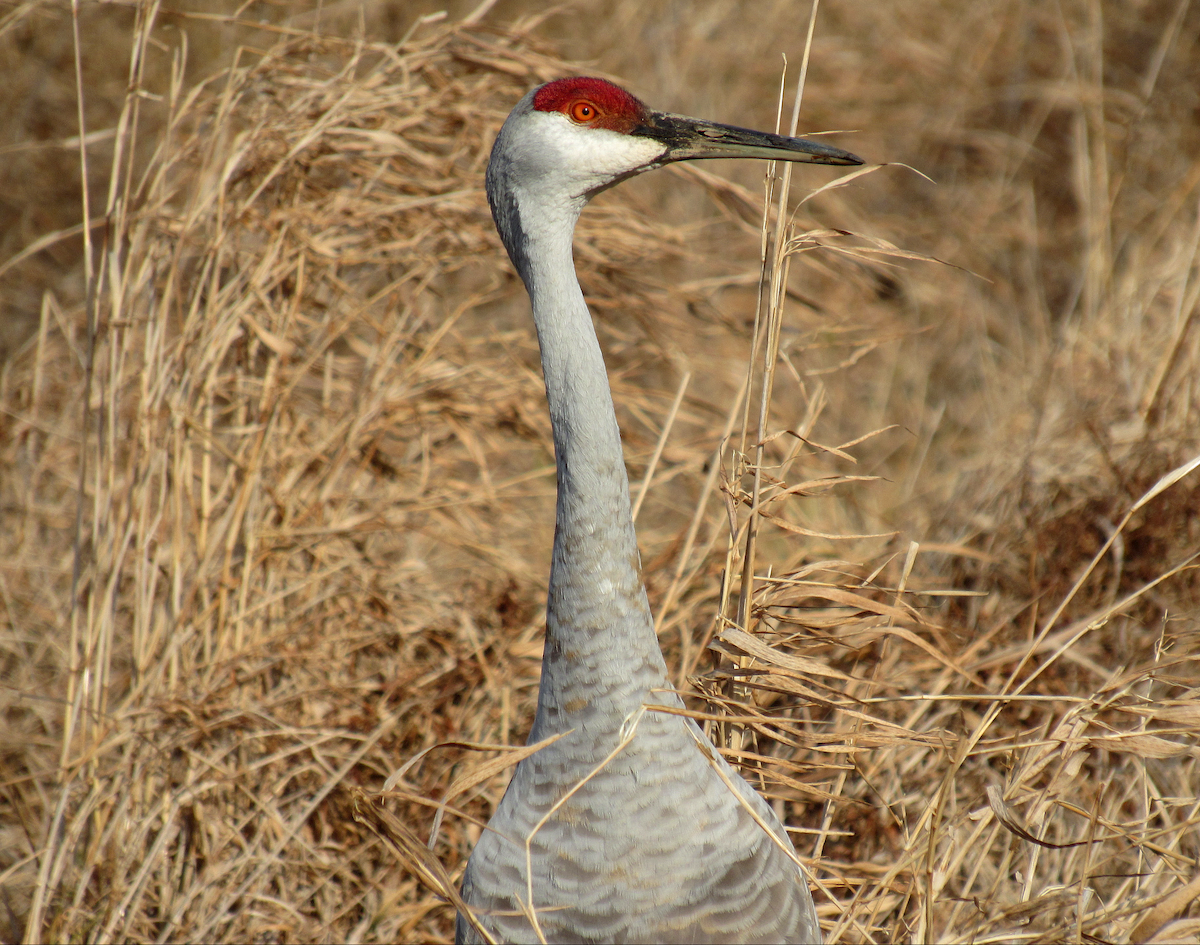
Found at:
<point>277,482</point>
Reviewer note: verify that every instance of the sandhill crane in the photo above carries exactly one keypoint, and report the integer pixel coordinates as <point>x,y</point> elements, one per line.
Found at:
<point>630,827</point>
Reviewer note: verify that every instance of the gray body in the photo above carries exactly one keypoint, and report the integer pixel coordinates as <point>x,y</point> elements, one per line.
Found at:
<point>661,844</point>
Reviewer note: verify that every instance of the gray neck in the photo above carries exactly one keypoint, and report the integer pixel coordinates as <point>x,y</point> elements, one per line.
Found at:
<point>600,641</point>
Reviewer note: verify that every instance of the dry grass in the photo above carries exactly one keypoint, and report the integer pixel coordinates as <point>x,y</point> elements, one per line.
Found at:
<point>278,482</point>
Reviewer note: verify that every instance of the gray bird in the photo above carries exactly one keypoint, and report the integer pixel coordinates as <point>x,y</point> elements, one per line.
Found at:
<point>663,841</point>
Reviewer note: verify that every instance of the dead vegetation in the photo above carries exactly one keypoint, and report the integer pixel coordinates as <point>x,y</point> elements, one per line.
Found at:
<point>278,484</point>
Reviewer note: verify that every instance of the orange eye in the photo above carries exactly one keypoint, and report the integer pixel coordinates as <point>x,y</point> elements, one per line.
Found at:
<point>582,112</point>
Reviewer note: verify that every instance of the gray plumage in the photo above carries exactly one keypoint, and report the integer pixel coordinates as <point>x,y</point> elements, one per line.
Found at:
<point>663,843</point>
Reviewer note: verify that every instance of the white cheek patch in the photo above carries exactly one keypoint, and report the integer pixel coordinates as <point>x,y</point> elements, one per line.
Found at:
<point>591,157</point>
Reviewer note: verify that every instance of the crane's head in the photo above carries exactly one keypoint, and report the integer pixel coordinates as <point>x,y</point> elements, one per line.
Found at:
<point>567,140</point>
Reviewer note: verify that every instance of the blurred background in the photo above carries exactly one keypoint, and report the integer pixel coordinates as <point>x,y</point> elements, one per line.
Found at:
<point>277,483</point>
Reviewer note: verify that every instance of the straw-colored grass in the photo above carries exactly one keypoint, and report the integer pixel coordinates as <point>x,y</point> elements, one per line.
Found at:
<point>277,492</point>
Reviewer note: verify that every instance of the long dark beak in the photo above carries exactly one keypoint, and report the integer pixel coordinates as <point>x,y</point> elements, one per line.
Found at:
<point>692,139</point>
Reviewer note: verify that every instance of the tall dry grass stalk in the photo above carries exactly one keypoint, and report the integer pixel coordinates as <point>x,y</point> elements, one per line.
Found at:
<point>278,480</point>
